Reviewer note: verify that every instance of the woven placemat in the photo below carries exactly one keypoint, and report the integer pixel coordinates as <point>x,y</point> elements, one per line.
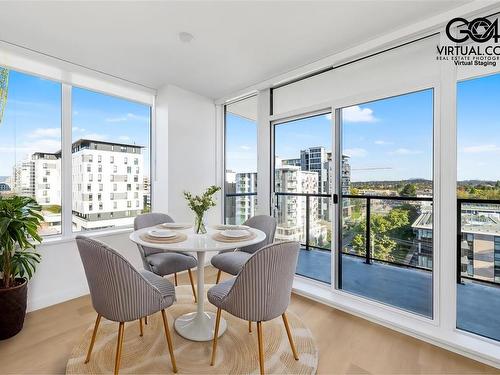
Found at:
<point>219,237</point>
<point>166,226</point>
<point>178,238</point>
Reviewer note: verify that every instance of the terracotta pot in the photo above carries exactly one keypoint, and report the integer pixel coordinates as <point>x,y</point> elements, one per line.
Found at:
<point>13,309</point>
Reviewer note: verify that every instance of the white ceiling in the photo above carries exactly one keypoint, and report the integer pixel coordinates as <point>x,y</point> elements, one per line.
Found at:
<point>236,44</point>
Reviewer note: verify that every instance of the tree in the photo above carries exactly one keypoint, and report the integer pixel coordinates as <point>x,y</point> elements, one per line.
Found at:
<point>383,230</point>
<point>409,190</point>
<point>4,84</point>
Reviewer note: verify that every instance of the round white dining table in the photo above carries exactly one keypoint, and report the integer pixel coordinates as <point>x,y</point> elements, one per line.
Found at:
<point>200,324</point>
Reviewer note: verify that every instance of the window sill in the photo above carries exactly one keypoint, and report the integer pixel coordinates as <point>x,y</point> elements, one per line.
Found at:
<point>57,239</point>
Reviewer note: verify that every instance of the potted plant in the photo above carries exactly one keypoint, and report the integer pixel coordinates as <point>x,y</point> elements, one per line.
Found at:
<point>200,204</point>
<point>20,218</point>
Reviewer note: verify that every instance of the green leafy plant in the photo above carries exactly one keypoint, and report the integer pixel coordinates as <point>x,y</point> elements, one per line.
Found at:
<point>199,204</point>
<point>20,218</point>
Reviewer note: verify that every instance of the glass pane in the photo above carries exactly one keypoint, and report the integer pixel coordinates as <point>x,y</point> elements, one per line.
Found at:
<point>478,191</point>
<point>110,161</point>
<point>241,160</point>
<point>30,143</point>
<point>302,180</point>
<point>386,202</point>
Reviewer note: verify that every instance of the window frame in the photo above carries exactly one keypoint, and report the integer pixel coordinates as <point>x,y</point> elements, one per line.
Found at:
<point>102,86</point>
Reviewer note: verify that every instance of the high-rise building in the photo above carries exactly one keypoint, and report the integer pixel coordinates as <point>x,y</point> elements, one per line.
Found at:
<point>107,184</point>
<point>292,211</point>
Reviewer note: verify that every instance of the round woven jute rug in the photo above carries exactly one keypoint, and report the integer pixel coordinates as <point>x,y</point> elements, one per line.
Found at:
<point>237,350</point>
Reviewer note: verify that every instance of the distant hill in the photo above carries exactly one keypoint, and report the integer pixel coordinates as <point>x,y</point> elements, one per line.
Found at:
<point>395,182</point>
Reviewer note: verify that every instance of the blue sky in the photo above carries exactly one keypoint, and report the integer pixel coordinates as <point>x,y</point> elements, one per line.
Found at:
<point>32,119</point>
<point>478,122</point>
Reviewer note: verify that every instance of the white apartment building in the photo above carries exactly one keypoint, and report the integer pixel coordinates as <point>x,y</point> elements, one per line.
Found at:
<point>108,184</point>
<point>40,177</point>
<point>245,205</point>
<point>292,211</point>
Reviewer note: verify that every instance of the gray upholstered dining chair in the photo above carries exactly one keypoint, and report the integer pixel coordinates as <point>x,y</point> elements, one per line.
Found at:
<point>160,262</point>
<point>122,294</point>
<point>260,292</point>
<point>232,261</point>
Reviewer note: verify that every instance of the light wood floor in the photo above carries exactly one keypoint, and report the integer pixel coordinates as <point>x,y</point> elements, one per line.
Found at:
<point>347,344</point>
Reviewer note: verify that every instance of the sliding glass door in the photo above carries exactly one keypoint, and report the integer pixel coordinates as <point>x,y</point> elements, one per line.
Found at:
<point>302,186</point>
<point>478,216</point>
<point>385,207</point>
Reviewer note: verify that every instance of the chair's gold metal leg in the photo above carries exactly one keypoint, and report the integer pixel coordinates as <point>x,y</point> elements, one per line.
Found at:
<point>261,347</point>
<point>290,338</point>
<point>169,340</point>
<point>119,347</point>
<point>216,333</point>
<point>175,278</point>
<point>140,327</point>
<point>192,284</point>
<point>146,320</point>
<point>218,276</point>
<point>249,326</point>
<point>92,340</point>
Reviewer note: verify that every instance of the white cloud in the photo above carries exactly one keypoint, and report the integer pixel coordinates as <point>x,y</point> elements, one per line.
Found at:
<point>124,138</point>
<point>481,149</point>
<point>96,136</point>
<point>381,142</point>
<point>45,132</point>
<point>358,114</point>
<point>405,151</point>
<point>78,129</point>
<point>246,148</point>
<point>127,117</point>
<point>355,152</point>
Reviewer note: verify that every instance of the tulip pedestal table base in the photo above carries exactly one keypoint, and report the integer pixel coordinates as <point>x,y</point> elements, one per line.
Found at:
<point>199,325</point>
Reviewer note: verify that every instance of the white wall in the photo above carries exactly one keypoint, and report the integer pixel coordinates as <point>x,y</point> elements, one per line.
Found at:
<point>185,142</point>
<point>191,145</point>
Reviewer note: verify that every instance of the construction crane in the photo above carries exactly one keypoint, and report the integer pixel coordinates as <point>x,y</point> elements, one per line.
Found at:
<point>4,85</point>
<point>371,169</point>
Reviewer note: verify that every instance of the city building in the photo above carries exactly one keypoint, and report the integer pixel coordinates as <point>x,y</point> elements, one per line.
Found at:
<point>108,185</point>
<point>292,211</point>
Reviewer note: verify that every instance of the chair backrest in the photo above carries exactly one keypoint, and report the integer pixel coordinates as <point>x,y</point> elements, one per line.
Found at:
<point>117,289</point>
<point>265,223</point>
<point>145,221</point>
<point>262,289</point>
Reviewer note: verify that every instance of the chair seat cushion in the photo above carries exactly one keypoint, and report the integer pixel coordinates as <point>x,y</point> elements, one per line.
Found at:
<point>170,262</point>
<point>217,293</point>
<point>165,287</point>
<point>232,262</point>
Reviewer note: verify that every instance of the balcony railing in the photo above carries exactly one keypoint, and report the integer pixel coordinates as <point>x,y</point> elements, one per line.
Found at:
<point>368,253</point>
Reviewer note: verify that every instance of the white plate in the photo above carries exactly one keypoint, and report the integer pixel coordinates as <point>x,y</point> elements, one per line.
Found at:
<point>230,227</point>
<point>235,233</point>
<point>161,233</point>
<point>175,225</point>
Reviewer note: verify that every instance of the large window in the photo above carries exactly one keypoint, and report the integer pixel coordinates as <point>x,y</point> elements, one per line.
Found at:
<point>110,160</point>
<point>302,184</point>
<point>241,160</point>
<point>386,225</point>
<point>30,143</point>
<point>478,191</point>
